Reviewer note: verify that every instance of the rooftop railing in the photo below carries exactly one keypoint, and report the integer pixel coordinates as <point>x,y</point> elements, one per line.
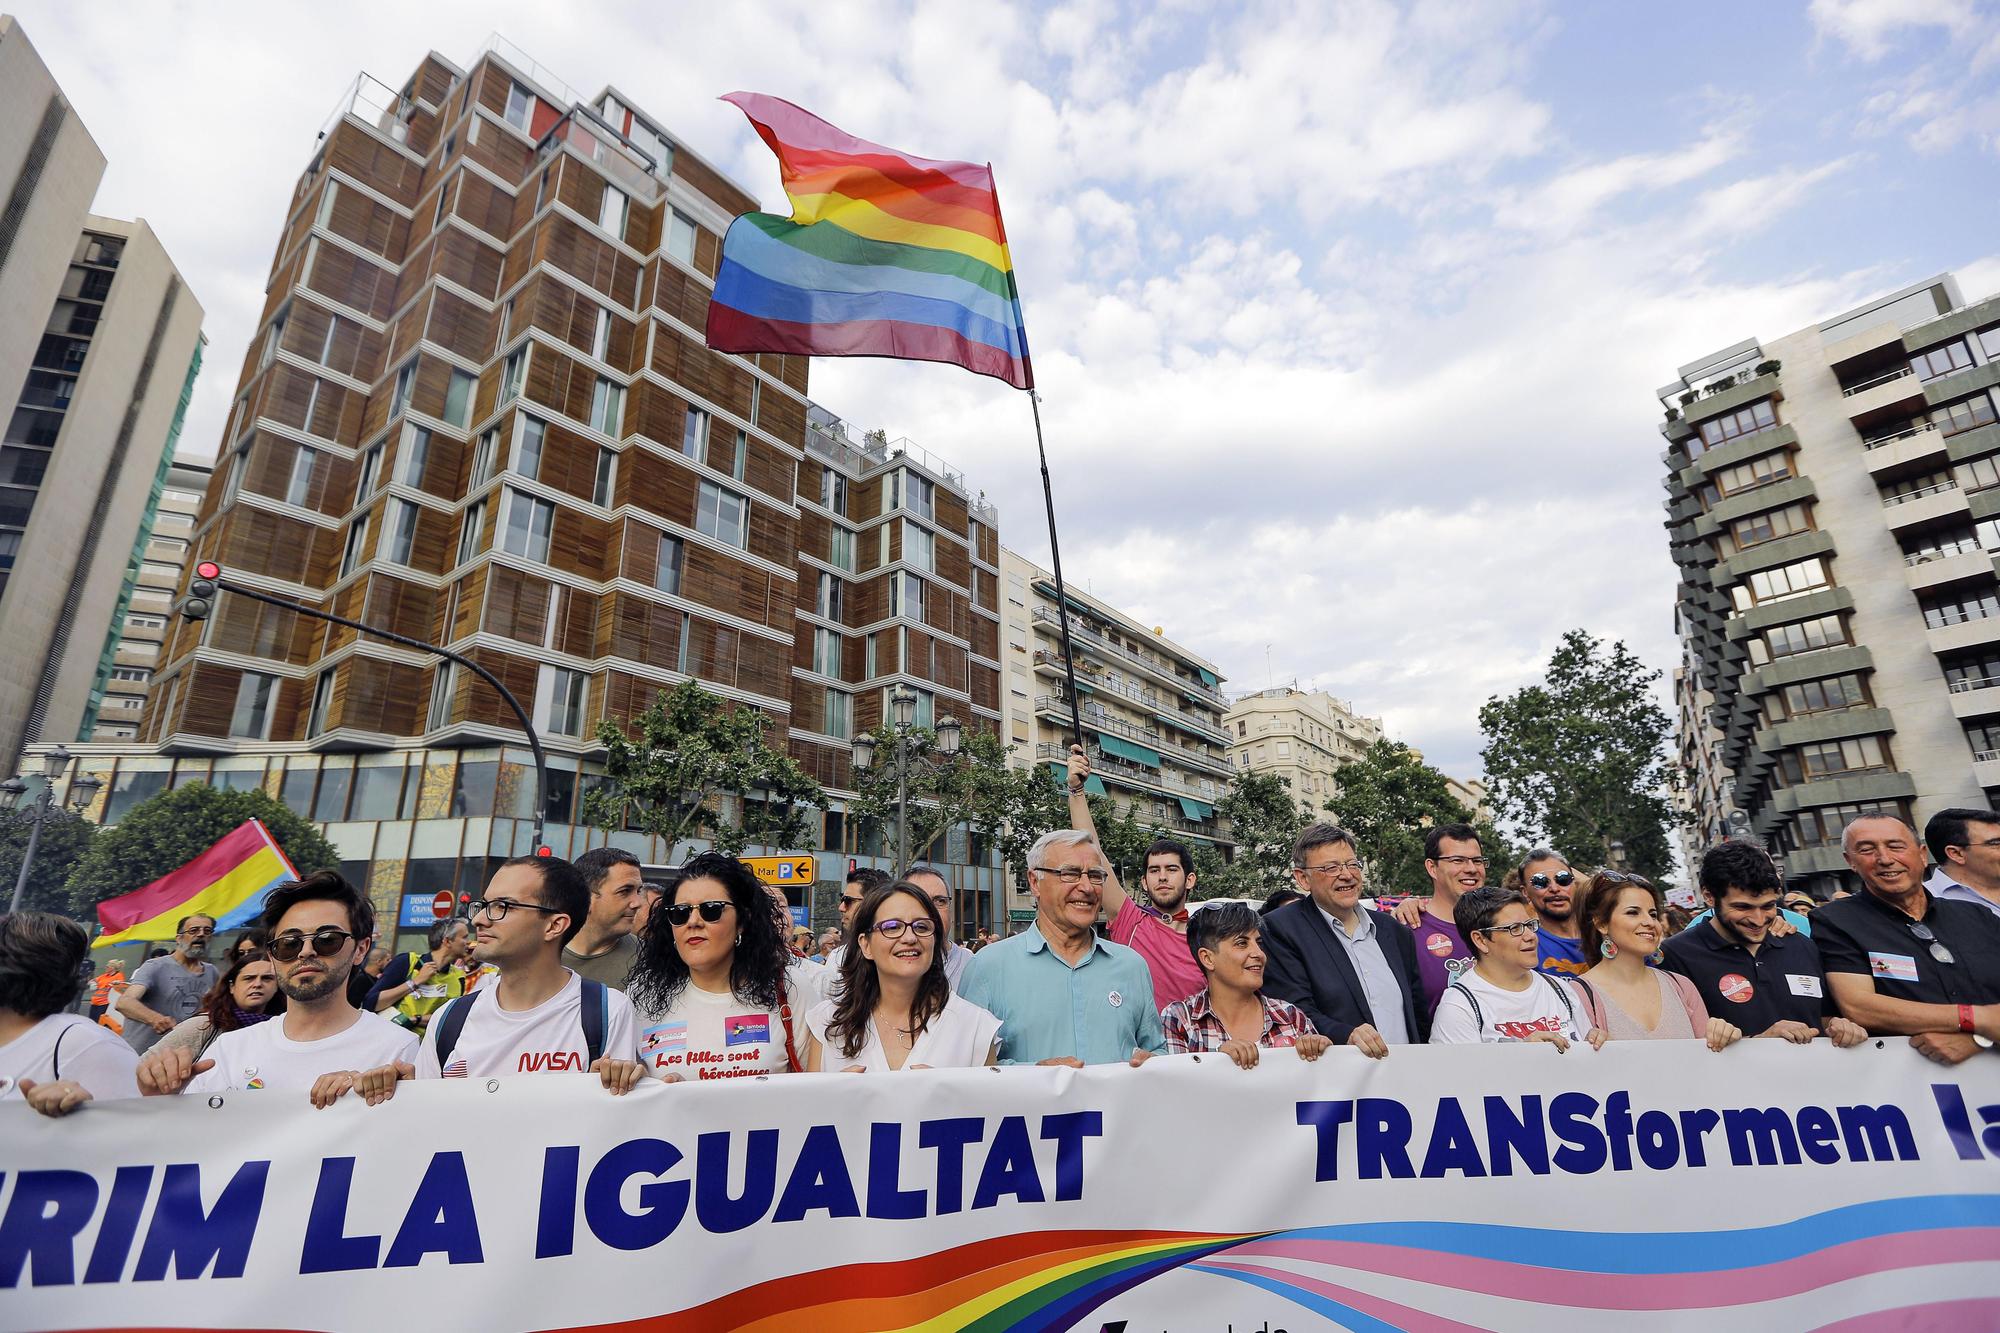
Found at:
<point>1904,497</point>
<point>597,143</point>
<point>1971,683</point>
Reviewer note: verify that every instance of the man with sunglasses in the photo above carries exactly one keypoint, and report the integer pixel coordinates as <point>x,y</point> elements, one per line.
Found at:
<point>321,928</point>
<point>861,881</point>
<point>176,985</point>
<point>1551,887</point>
<point>1965,847</point>
<point>938,889</point>
<point>1900,960</point>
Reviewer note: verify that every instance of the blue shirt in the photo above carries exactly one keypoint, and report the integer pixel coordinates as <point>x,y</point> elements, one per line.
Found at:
<point>1098,1011</point>
<point>1560,956</point>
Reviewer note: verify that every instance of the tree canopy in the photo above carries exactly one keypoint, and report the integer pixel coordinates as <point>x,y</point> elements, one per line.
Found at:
<point>1388,799</point>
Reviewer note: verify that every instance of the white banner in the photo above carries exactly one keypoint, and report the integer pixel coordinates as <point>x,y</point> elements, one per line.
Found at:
<point>1653,1184</point>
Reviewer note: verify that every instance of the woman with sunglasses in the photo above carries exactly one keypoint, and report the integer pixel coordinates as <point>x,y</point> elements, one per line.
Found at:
<point>1550,886</point>
<point>246,995</point>
<point>896,1009</point>
<point>712,982</point>
<point>1624,925</point>
<point>1501,998</point>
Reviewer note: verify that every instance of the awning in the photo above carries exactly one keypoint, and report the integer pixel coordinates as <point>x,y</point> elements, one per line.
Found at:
<point>1208,678</point>
<point>1196,810</point>
<point>1092,784</point>
<point>1125,749</point>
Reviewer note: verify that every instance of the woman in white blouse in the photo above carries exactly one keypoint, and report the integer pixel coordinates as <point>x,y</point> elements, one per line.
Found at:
<point>896,1009</point>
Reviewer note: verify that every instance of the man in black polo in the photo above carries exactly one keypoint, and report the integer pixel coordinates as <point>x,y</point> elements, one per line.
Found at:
<point>1768,985</point>
<point>1902,961</point>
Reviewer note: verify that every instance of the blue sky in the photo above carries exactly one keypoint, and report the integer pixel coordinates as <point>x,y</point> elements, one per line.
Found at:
<point>1347,316</point>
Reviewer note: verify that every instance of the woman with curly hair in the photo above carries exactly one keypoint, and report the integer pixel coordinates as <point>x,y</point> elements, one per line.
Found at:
<point>246,995</point>
<point>711,984</point>
<point>896,1009</point>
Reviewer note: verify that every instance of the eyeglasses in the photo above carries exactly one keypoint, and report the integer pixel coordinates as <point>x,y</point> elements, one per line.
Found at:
<point>199,930</point>
<point>1562,877</point>
<point>496,909</point>
<point>1938,951</point>
<point>326,942</point>
<point>893,929</point>
<point>1460,860</point>
<point>711,911</point>
<point>1513,930</point>
<point>1071,875</point>
<point>1334,868</point>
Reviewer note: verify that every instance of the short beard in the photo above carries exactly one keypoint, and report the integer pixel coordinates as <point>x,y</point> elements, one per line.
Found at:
<point>1174,906</point>
<point>318,990</point>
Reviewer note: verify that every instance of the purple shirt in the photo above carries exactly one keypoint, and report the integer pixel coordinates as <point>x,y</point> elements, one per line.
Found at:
<point>1438,945</point>
<point>1175,973</point>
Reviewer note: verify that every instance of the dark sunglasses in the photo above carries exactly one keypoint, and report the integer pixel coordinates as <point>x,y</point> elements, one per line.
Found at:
<point>326,942</point>
<point>711,911</point>
<point>849,900</point>
<point>1562,877</point>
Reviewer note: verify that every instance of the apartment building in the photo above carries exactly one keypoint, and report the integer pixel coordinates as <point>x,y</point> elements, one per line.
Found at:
<point>1834,507</point>
<point>1302,736</point>
<point>1151,709</point>
<point>99,347</point>
<point>479,411</point>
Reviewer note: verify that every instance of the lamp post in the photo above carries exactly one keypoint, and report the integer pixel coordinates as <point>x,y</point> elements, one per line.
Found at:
<point>902,725</point>
<point>54,764</point>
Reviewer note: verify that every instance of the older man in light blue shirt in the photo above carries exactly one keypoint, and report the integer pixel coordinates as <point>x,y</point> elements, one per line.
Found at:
<point>1064,996</point>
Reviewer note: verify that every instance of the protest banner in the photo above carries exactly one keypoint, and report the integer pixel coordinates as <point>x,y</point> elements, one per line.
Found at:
<point>1656,1184</point>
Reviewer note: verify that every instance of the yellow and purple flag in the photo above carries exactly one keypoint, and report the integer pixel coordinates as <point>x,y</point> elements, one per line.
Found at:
<point>227,882</point>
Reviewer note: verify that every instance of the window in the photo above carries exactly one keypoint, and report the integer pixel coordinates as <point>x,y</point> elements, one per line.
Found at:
<point>667,565</point>
<point>600,336</point>
<point>829,599</point>
<point>406,379</point>
<point>442,683</point>
<point>680,236</point>
<point>137,621</point>
<point>402,531</point>
<point>528,440</point>
<point>833,492</point>
<point>520,107</point>
<point>326,343</point>
<point>868,671</point>
<point>458,398</point>
<point>511,374</point>
<point>840,550</point>
<point>529,521</point>
<point>273,336</point>
<point>1950,609</point>
<point>567,691</point>
<point>1827,759</point>
<point>371,464</point>
<point>907,490</point>
<point>1973,673</point>
<point>607,406</point>
<point>739,458</point>
<point>131,674</point>
<point>1822,827</point>
<point>906,595</point>
<point>839,714</point>
<point>607,476</point>
<point>1980,473</point>
<point>298,488</point>
<point>357,540</point>
<point>1760,528</point>
<point>611,211</point>
<point>1972,412</point>
<point>826,652</point>
<point>723,515</point>
<point>325,214</point>
<point>1824,696</point>
<point>414,456</point>
<point>919,546</point>
<point>1749,420</point>
<point>1940,361</point>
<point>1775,585</point>
<point>506,322</point>
<point>322,702</point>
<point>483,454</point>
<point>1804,637</point>
<point>469,530</point>
<point>694,433</point>
<point>254,696</point>
<point>756,398</point>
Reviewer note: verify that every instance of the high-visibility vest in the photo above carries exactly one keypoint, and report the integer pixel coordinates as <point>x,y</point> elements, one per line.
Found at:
<point>106,982</point>
<point>446,984</point>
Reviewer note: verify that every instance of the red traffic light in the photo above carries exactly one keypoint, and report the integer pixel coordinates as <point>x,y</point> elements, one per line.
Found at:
<point>545,851</point>
<point>208,569</point>
<point>465,897</point>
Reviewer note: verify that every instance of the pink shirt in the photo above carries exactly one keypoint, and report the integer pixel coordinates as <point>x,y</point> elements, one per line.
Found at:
<point>1175,973</point>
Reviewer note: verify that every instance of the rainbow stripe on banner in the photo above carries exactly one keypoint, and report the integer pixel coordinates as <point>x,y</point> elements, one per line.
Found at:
<point>227,882</point>
<point>1045,1281</point>
<point>885,254</point>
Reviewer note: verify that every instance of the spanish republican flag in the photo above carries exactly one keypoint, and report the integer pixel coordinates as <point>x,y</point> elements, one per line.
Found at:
<point>227,882</point>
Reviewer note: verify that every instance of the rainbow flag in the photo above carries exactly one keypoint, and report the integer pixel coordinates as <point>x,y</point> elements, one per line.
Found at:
<point>885,254</point>
<point>227,882</point>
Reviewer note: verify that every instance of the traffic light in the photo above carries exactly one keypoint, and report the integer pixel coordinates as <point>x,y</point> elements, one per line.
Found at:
<point>201,591</point>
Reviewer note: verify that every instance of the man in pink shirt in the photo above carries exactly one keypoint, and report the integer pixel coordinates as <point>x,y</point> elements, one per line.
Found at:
<point>1154,921</point>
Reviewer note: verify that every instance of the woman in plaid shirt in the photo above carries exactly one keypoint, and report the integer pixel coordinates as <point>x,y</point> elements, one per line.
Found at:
<point>1229,1015</point>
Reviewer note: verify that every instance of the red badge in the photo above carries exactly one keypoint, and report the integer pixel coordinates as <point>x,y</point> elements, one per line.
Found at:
<point>1439,945</point>
<point>1736,988</point>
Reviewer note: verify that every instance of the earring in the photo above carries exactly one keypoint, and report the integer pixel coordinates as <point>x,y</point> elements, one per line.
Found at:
<point>1608,949</point>
<point>739,937</point>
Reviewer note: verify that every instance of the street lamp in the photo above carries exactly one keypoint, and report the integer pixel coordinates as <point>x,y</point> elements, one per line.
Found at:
<point>54,764</point>
<point>902,724</point>
<point>1617,854</point>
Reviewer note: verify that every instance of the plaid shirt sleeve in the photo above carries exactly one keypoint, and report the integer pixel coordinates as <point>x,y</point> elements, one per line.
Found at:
<point>1284,1023</point>
<point>1174,1023</point>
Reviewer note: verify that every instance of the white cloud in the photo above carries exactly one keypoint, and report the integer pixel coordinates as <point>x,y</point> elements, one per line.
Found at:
<point>1869,28</point>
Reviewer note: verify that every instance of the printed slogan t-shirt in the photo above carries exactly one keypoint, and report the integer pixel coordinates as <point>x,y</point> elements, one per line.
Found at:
<point>547,1039</point>
<point>718,1035</point>
<point>1505,1015</point>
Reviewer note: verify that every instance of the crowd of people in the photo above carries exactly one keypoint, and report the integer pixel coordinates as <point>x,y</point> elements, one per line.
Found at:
<point>588,968</point>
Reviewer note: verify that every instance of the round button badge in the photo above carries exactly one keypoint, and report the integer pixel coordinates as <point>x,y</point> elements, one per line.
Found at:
<point>1736,989</point>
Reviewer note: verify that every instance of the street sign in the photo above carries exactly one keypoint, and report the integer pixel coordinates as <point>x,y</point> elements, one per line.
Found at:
<point>799,916</point>
<point>416,912</point>
<point>783,870</point>
<point>1021,914</point>
<point>441,905</point>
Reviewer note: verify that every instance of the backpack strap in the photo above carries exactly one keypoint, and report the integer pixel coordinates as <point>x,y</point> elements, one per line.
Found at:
<point>450,1022</point>
<point>1562,993</point>
<point>55,1056</point>
<point>1478,1015</point>
<point>596,1017</point>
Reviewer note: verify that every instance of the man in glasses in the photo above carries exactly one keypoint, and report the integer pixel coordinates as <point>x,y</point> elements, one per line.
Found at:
<point>536,1016</point>
<point>1900,960</point>
<point>175,985</point>
<point>1965,848</point>
<point>938,889</point>
<point>1551,887</point>
<point>860,882</point>
<point>321,928</point>
<point>1457,866</point>
<point>1064,996</point>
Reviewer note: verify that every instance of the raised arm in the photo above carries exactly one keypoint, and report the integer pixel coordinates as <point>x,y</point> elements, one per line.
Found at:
<point>1080,820</point>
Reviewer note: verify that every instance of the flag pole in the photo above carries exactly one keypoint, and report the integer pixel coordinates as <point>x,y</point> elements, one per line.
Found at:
<point>1062,594</point>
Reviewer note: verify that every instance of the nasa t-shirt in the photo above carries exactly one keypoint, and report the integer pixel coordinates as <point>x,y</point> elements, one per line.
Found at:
<point>263,1058</point>
<point>547,1039</point>
<point>716,1035</point>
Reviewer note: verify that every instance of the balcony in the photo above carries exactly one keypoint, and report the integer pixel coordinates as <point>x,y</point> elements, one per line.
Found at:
<point>1884,341</point>
<point>1942,567</point>
<point>1165,709</point>
<point>1895,393</point>
<point>1817,860</point>
<point>583,133</point>
<point>1912,446</point>
<point>1078,630</point>
<point>1114,769</point>
<point>1095,718</point>
<point>1986,768</point>
<point>1959,383</point>
<point>1910,509</point>
<point>1880,784</point>
<point>1977,697</point>
<point>1974,632</point>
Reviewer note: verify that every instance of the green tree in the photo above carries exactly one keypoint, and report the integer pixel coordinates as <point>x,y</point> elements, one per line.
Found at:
<point>63,843</point>
<point>1387,799</point>
<point>685,752</point>
<point>1579,761</point>
<point>1006,806</point>
<point>1124,836</point>
<point>166,832</point>
<point>1264,820</point>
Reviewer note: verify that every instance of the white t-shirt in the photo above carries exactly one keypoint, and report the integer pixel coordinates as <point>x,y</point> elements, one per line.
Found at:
<point>90,1055</point>
<point>710,1035</point>
<point>263,1058</point>
<point>1505,1015</point>
<point>546,1039</point>
<point>961,1037</point>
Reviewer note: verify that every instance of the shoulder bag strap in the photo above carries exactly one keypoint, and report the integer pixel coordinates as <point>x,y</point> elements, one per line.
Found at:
<point>1478,1014</point>
<point>596,1015</point>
